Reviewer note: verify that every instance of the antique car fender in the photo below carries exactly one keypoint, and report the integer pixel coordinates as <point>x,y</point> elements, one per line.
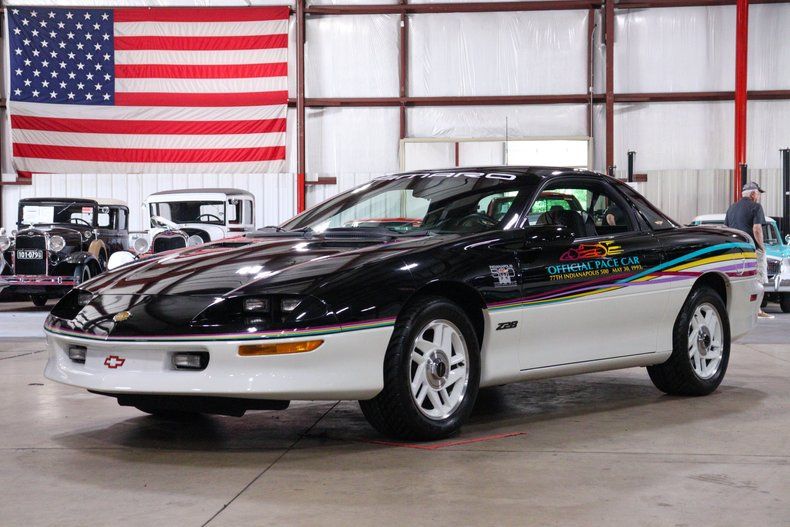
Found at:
<point>81,258</point>
<point>96,248</point>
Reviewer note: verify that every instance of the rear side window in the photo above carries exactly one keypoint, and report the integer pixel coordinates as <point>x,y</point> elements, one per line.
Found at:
<point>654,217</point>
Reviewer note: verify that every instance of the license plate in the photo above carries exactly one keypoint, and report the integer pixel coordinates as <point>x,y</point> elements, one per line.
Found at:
<point>30,254</point>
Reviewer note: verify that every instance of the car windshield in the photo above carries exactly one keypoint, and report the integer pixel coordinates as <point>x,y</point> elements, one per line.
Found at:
<point>423,203</point>
<point>770,234</point>
<point>54,212</point>
<point>189,212</point>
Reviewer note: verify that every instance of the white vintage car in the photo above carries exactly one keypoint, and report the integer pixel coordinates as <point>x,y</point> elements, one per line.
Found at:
<point>181,218</point>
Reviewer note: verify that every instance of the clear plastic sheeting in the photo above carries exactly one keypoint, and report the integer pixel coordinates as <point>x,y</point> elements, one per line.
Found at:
<point>343,140</point>
<point>512,53</point>
<point>769,54</point>
<point>489,121</point>
<point>352,56</point>
<point>674,49</point>
<point>768,131</point>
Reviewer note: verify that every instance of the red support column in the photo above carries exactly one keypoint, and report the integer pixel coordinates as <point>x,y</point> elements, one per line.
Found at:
<point>741,49</point>
<point>300,108</point>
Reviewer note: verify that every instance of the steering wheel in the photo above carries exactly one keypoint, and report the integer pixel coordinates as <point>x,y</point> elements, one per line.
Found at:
<point>481,219</point>
<point>209,216</point>
<point>75,220</point>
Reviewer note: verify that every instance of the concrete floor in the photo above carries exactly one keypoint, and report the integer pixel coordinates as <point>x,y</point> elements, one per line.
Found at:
<point>604,449</point>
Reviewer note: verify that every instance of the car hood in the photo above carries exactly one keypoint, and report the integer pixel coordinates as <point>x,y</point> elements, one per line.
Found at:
<point>240,265</point>
<point>71,235</point>
<point>777,251</point>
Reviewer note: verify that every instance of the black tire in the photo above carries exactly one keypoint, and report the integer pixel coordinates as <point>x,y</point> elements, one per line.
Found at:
<point>676,376</point>
<point>394,411</point>
<point>170,415</point>
<point>39,300</point>
<point>82,273</point>
<point>784,302</point>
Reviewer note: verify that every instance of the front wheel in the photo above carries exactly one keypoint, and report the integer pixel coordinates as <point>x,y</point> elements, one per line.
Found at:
<point>701,347</point>
<point>431,373</point>
<point>784,302</point>
<point>39,300</point>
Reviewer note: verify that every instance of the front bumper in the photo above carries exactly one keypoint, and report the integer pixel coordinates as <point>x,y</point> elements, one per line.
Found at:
<point>348,365</point>
<point>778,284</point>
<point>34,283</point>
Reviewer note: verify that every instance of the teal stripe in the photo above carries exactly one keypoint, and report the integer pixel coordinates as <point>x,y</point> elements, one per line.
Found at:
<point>687,257</point>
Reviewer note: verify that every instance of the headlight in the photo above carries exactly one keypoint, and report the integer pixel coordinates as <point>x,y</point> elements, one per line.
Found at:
<point>5,243</point>
<point>194,240</point>
<point>256,305</point>
<point>264,312</point>
<point>56,243</point>
<point>141,245</point>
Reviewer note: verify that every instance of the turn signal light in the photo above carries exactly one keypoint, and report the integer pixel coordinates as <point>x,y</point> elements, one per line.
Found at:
<point>279,349</point>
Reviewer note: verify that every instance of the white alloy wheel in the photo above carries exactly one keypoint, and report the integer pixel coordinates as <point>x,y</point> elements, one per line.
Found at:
<point>439,369</point>
<point>705,341</point>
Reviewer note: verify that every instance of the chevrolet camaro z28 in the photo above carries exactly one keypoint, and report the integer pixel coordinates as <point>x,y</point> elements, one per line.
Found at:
<point>501,274</point>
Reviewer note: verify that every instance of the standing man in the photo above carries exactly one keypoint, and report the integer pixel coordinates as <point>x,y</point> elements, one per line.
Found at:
<point>747,215</point>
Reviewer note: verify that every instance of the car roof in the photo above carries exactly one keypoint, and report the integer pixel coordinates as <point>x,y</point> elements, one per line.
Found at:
<point>227,191</point>
<point>534,171</point>
<point>92,201</point>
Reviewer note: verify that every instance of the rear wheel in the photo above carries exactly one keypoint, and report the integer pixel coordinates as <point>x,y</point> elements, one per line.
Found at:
<point>431,373</point>
<point>784,302</point>
<point>701,347</point>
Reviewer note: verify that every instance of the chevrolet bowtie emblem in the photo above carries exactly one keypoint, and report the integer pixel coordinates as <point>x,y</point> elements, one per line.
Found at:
<point>120,317</point>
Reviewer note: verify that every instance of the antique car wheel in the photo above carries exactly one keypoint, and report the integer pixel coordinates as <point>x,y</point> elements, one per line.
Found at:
<point>784,302</point>
<point>82,273</point>
<point>39,300</point>
<point>431,373</point>
<point>701,347</point>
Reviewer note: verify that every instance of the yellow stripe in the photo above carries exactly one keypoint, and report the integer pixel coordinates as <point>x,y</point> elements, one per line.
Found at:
<point>706,261</point>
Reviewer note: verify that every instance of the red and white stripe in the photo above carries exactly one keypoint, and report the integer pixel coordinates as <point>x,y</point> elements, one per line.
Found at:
<point>197,90</point>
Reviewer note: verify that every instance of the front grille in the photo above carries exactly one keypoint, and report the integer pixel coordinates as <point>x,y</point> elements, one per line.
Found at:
<point>169,242</point>
<point>774,267</point>
<point>27,265</point>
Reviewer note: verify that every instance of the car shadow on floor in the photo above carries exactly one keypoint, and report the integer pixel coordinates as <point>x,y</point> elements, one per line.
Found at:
<point>602,406</point>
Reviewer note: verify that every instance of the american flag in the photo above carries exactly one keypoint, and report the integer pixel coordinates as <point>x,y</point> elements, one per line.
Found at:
<point>148,90</point>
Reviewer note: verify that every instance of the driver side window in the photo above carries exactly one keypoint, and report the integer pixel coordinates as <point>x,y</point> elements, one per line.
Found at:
<point>585,209</point>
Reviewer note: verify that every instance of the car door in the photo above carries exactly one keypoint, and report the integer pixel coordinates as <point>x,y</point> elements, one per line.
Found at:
<point>582,297</point>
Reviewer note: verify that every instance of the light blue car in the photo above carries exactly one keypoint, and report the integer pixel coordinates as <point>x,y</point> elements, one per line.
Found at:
<point>777,252</point>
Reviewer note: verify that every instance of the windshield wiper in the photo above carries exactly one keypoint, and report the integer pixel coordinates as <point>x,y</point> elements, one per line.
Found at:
<point>66,207</point>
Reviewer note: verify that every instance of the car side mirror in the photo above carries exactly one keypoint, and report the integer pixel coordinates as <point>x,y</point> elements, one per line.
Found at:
<point>787,239</point>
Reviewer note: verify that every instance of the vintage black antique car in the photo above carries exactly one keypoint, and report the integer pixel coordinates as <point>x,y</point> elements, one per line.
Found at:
<point>60,243</point>
<point>469,278</point>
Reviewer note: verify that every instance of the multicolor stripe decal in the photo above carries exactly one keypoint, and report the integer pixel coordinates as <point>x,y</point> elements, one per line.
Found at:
<point>276,334</point>
<point>674,270</point>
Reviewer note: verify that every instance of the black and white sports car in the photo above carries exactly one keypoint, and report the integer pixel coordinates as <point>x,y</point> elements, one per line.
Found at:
<point>411,292</point>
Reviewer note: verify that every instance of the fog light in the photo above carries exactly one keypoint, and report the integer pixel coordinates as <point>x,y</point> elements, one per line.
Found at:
<point>78,353</point>
<point>279,349</point>
<point>193,360</point>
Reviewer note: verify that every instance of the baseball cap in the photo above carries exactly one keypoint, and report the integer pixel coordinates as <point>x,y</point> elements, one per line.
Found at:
<point>752,185</point>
